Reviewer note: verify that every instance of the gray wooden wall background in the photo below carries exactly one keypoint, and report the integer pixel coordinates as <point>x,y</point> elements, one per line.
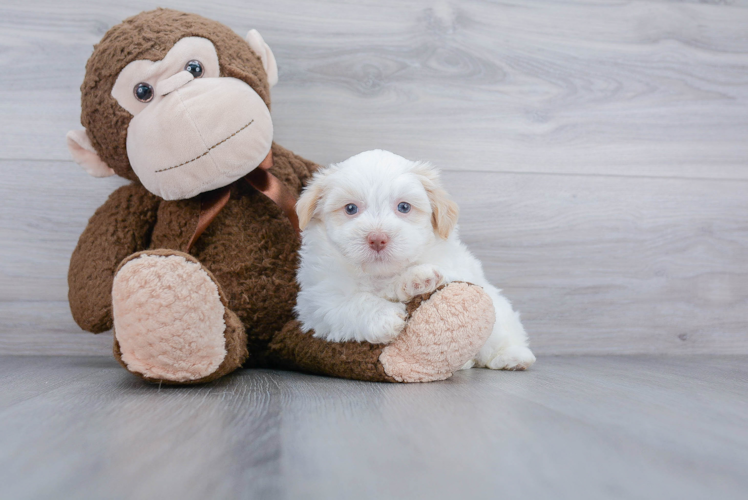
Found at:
<point>598,149</point>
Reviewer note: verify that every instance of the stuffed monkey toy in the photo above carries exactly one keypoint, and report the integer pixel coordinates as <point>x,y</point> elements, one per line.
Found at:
<point>193,263</point>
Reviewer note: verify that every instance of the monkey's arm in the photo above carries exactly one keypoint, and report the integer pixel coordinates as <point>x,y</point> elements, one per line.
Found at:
<point>120,227</point>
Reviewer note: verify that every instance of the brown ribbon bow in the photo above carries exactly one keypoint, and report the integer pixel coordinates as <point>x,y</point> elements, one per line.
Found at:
<point>212,202</point>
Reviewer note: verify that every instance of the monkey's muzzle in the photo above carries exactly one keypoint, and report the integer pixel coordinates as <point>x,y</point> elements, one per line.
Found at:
<point>202,135</point>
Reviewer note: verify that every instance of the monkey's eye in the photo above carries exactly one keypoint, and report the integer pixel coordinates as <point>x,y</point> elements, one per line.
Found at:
<point>351,209</point>
<point>403,207</point>
<point>194,68</point>
<point>143,92</point>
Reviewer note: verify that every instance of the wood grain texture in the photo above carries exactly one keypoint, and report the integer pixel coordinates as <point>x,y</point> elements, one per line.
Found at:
<point>573,427</point>
<point>596,264</point>
<point>631,88</point>
<point>599,150</point>
<point>614,264</point>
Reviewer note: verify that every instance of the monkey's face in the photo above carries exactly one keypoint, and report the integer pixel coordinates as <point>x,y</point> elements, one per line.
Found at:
<point>192,130</point>
<point>177,102</point>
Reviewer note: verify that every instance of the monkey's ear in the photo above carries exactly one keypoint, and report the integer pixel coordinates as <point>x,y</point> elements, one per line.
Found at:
<point>255,41</point>
<point>85,155</point>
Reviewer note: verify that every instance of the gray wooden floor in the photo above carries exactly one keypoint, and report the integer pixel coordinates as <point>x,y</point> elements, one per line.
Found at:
<point>573,427</point>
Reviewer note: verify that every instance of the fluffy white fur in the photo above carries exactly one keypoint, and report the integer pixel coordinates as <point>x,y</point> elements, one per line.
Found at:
<point>352,291</point>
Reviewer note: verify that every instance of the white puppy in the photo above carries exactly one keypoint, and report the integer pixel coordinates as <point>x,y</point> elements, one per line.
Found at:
<point>378,230</point>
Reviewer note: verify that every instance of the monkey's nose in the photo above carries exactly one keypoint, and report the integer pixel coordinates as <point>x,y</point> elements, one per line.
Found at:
<point>378,241</point>
<point>174,82</point>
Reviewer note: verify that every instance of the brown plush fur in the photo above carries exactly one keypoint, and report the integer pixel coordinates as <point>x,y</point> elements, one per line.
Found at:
<point>150,35</point>
<point>250,247</point>
<point>294,350</point>
<point>119,227</point>
<point>249,250</point>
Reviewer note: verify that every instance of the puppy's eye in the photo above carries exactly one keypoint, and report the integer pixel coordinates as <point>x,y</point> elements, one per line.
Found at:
<point>143,92</point>
<point>403,207</point>
<point>351,209</point>
<point>195,68</point>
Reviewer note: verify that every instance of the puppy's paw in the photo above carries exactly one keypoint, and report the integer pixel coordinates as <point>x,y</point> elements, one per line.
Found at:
<point>386,324</point>
<point>513,357</point>
<point>418,280</point>
<point>468,365</point>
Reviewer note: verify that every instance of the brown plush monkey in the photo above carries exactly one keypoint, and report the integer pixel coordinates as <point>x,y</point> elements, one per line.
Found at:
<point>193,263</point>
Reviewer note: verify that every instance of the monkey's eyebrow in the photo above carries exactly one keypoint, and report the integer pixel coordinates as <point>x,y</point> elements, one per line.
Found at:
<point>207,150</point>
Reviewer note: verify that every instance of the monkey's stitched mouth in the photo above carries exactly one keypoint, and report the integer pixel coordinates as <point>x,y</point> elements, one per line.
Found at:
<point>207,150</point>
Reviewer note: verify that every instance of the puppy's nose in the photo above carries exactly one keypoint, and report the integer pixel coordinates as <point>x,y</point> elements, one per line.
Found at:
<point>378,241</point>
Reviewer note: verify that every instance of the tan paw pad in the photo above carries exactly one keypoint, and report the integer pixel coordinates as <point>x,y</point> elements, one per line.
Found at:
<point>168,318</point>
<point>443,334</point>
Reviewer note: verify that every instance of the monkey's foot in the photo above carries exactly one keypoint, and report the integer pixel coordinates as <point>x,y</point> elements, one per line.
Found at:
<point>171,321</point>
<point>444,332</point>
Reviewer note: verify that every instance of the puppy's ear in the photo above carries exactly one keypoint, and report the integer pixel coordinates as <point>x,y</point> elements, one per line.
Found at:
<point>306,207</point>
<point>444,211</point>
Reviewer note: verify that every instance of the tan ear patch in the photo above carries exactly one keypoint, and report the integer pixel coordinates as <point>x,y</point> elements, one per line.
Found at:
<point>306,207</point>
<point>444,211</point>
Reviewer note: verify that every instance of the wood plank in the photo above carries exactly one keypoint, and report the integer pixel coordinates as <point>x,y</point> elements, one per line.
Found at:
<point>596,264</point>
<point>624,88</point>
<point>47,328</point>
<point>573,427</point>
<point>614,264</point>
<point>607,261</point>
<point>46,208</point>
